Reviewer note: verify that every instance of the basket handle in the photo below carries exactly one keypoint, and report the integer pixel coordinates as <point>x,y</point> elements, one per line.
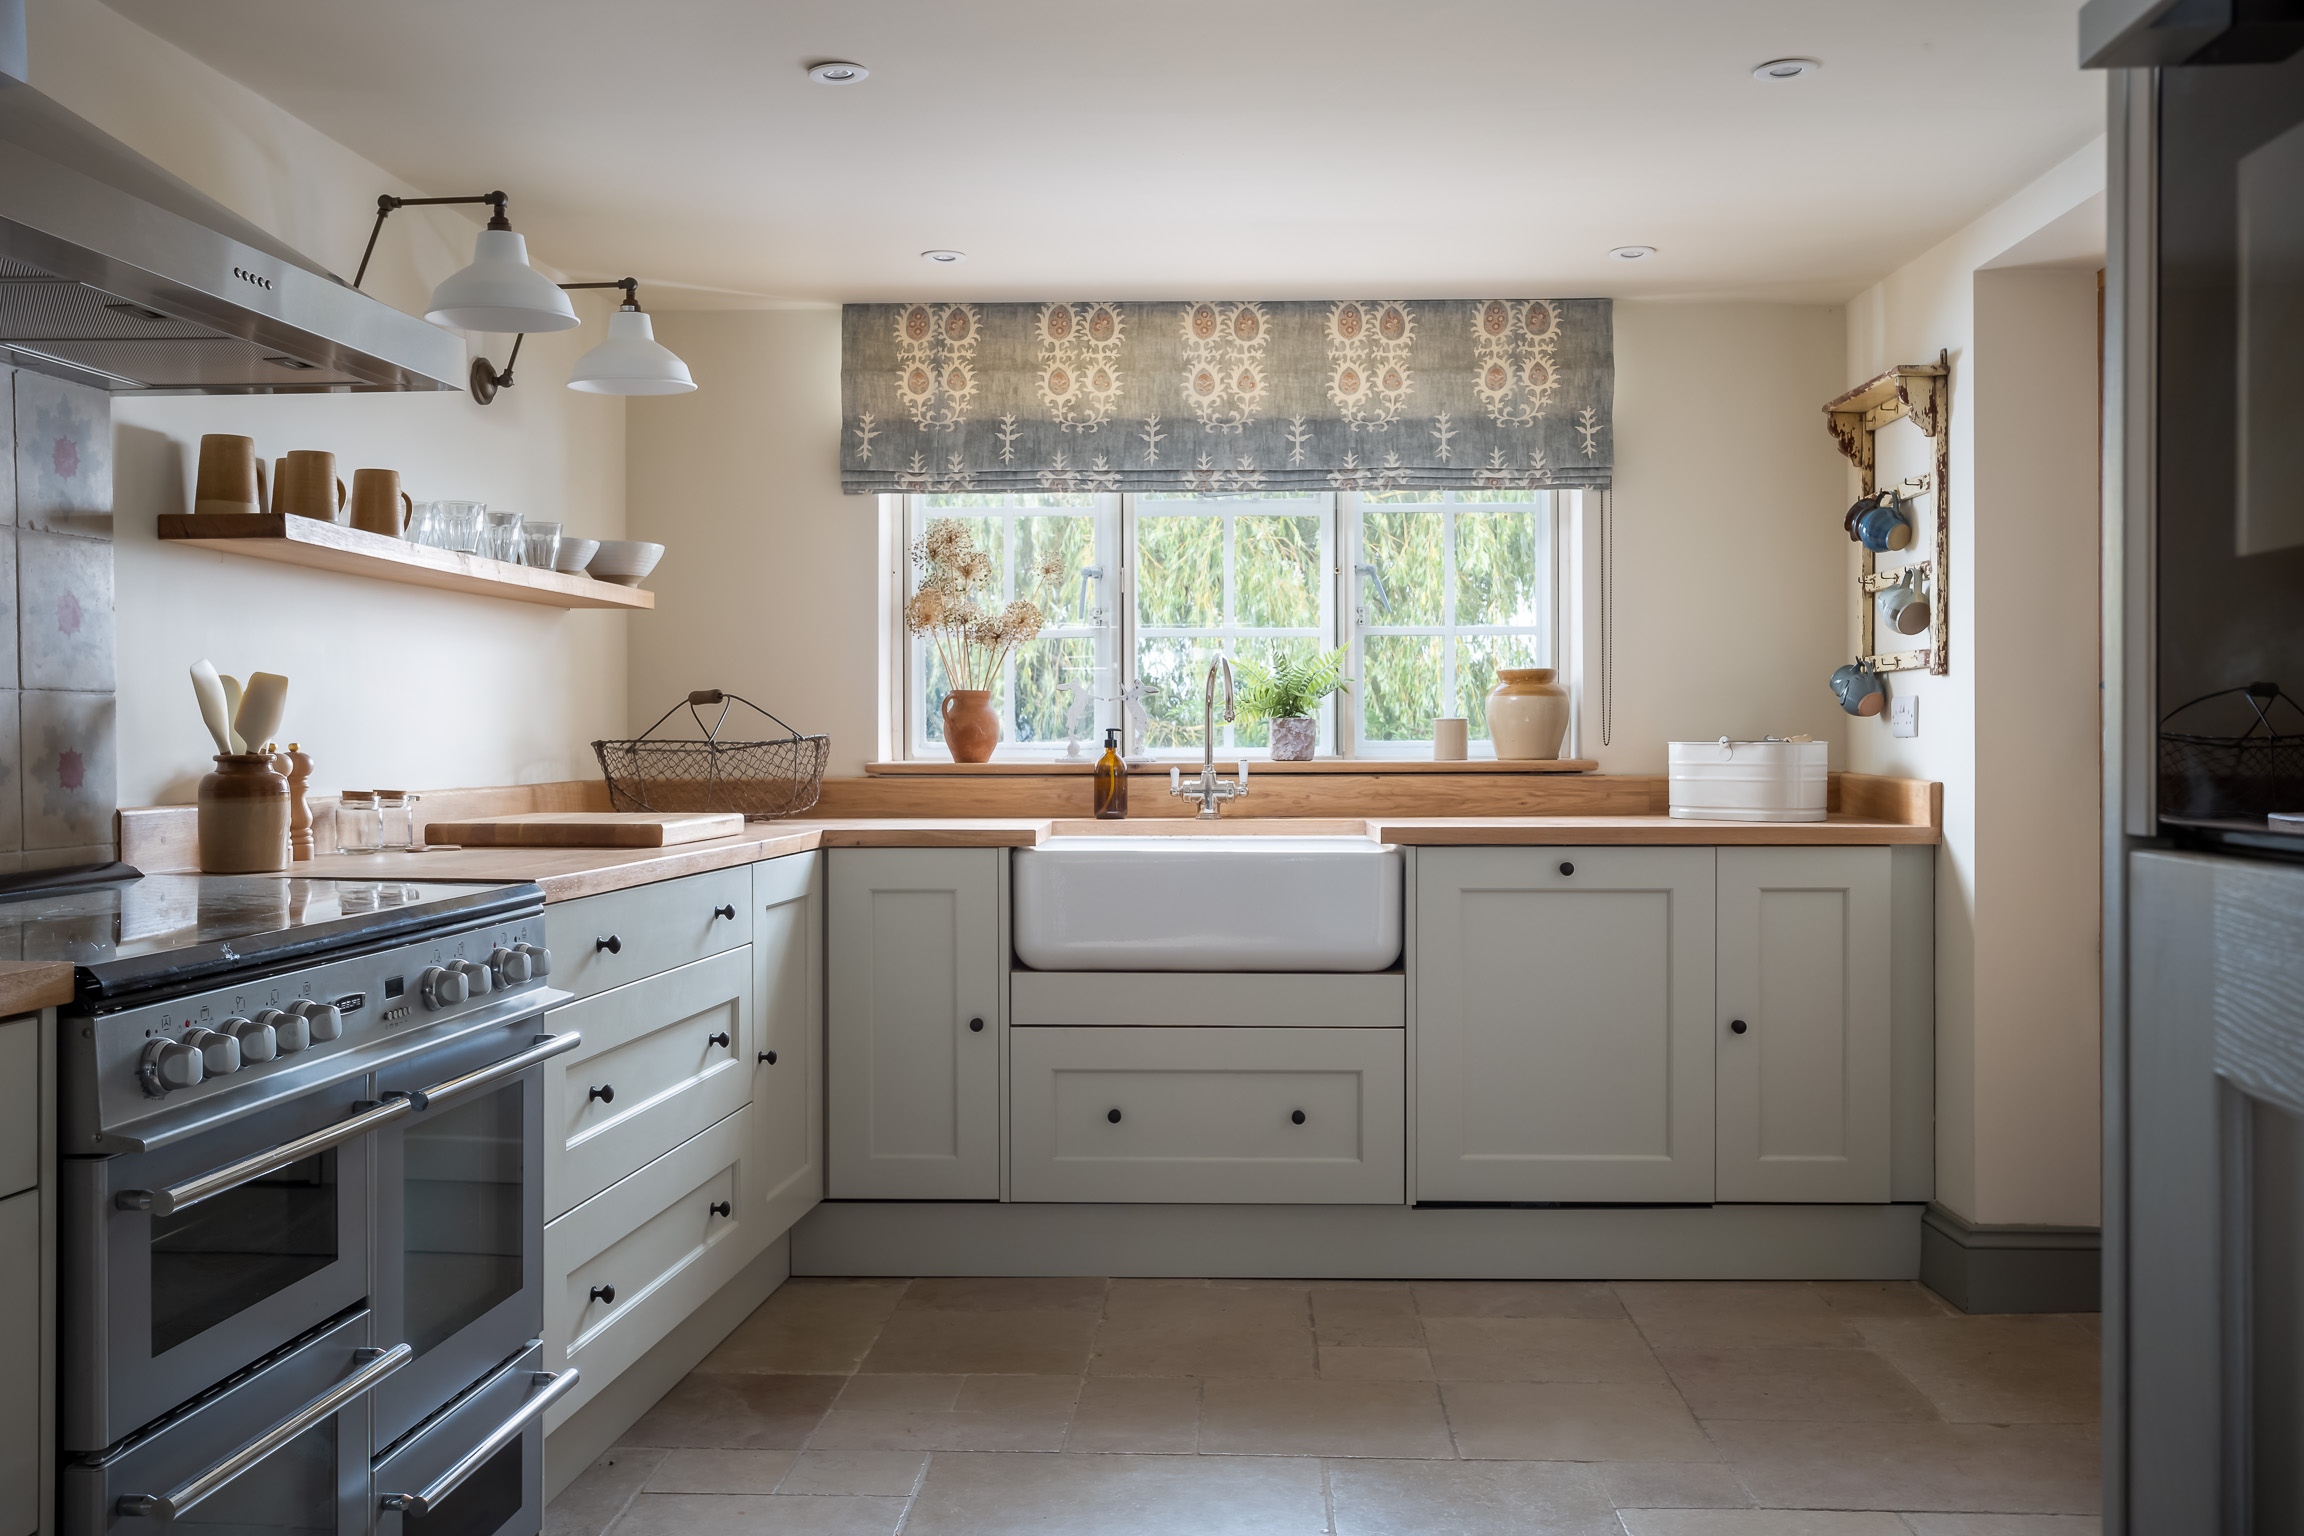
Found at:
<point>2269,693</point>
<point>703,696</point>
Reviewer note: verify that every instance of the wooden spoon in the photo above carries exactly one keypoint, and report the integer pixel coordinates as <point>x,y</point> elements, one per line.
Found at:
<point>232,710</point>
<point>258,720</point>
<point>208,688</point>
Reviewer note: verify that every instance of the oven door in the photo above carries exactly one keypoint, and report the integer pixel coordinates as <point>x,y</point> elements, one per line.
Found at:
<point>478,1468</point>
<point>184,1264</point>
<point>460,1213</point>
<point>282,1451</point>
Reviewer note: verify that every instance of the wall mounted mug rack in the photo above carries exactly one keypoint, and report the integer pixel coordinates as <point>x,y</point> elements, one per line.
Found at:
<point>1921,394</point>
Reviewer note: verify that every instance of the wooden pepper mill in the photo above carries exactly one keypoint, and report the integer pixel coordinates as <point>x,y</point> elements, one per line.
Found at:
<point>296,767</point>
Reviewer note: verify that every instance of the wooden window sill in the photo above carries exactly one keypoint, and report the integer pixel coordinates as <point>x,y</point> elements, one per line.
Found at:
<point>1257,767</point>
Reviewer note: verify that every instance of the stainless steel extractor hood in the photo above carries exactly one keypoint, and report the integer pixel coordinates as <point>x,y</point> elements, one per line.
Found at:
<point>117,274</point>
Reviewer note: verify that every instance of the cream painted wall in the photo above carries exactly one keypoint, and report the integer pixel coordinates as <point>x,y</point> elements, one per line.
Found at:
<point>2016,911</point>
<point>390,684</point>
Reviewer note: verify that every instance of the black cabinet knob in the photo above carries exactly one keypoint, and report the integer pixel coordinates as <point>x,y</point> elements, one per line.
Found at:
<point>768,1057</point>
<point>614,944</point>
<point>605,1293</point>
<point>1296,1118</point>
<point>1112,1115</point>
<point>726,912</point>
<point>605,1093</point>
<point>720,1207</point>
<point>1737,1026</point>
<point>976,1026</point>
<point>1566,868</point>
<point>720,1038</point>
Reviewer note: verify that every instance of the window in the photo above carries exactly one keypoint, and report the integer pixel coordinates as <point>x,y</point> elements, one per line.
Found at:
<point>1432,591</point>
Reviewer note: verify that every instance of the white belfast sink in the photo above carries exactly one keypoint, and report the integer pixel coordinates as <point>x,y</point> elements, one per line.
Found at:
<point>1218,903</point>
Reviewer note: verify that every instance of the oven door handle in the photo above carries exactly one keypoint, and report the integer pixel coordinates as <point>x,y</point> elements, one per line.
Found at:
<point>542,1048</point>
<point>164,1507</point>
<point>167,1202</point>
<point>549,1387</point>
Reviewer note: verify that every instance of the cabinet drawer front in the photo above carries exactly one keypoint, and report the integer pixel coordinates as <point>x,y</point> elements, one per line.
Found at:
<point>19,1104</point>
<point>660,1057</point>
<point>654,1239</point>
<point>1197,999</point>
<point>652,928</point>
<point>1208,1115</point>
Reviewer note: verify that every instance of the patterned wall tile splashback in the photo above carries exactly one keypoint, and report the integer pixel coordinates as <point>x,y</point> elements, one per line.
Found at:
<point>1227,396</point>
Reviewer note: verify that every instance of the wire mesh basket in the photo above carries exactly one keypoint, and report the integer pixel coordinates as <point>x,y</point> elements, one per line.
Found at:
<point>2223,777</point>
<point>761,779</point>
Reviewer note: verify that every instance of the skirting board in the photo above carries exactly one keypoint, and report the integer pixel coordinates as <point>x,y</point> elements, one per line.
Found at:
<point>1361,1242</point>
<point>2010,1269</point>
<point>600,1423</point>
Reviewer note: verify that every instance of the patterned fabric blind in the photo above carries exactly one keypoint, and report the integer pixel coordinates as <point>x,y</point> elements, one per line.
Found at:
<point>1210,396</point>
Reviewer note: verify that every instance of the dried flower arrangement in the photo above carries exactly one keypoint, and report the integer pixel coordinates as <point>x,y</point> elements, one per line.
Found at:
<point>956,604</point>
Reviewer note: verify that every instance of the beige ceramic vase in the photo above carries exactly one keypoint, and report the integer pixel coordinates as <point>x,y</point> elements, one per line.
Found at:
<point>243,816</point>
<point>1527,714</point>
<point>971,725</point>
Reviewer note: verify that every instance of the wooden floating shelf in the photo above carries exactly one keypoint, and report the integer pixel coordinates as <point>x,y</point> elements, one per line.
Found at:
<point>1257,767</point>
<point>356,552</point>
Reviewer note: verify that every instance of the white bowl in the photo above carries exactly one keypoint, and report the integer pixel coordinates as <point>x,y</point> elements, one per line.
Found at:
<point>575,554</point>
<point>625,561</point>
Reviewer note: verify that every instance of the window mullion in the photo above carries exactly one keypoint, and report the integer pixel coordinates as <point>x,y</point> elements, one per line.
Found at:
<point>1448,698</point>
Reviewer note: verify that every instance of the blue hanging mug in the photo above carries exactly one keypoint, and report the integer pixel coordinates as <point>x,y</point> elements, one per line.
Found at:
<point>1859,689</point>
<point>1885,527</point>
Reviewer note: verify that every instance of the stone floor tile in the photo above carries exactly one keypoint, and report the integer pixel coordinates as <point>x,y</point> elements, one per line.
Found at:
<point>697,1471</point>
<point>894,1473</point>
<point>1322,1418</point>
<point>1144,1415</point>
<point>1023,1293</point>
<point>1374,1362</point>
<point>1469,1498</point>
<point>1373,1315</point>
<point>2006,1525</point>
<point>1673,1485</point>
<point>1796,1383</point>
<point>1119,1496</point>
<point>1711,1314</point>
<point>1047,1342</point>
<point>809,1326</point>
<point>2023,1369</point>
<point>987,1413</point>
<point>1572,1421</point>
<point>1161,1328</point>
<point>1515,1298</point>
<point>894,1393</point>
<point>721,1514</point>
<point>736,1411</point>
<point>1760,1522</point>
<point>1539,1349</point>
<point>2021,1469</point>
<point>1881,1298</point>
<point>590,1504</point>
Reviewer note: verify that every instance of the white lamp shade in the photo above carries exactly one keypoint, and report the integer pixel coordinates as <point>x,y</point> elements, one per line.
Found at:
<point>501,292</point>
<point>631,361</point>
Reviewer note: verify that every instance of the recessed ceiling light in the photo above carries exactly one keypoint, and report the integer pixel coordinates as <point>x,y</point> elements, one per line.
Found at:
<point>837,72</point>
<point>944,258</point>
<point>1632,252</point>
<point>1786,69</point>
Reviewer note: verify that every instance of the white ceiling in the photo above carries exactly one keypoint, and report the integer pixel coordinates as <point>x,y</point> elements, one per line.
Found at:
<point>1173,148</point>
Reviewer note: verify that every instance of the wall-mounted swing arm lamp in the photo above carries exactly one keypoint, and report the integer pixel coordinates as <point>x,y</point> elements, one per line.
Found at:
<point>500,292</point>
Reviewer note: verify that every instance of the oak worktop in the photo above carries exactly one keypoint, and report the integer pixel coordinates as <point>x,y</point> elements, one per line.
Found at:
<point>27,986</point>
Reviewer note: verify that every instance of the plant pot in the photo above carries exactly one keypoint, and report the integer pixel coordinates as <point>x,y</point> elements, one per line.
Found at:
<point>971,725</point>
<point>1527,714</point>
<point>1294,738</point>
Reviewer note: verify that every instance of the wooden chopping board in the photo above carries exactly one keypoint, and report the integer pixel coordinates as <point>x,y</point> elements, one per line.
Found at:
<point>587,829</point>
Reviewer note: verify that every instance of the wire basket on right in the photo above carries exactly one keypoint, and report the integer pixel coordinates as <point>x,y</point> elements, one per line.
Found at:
<point>762,780</point>
<point>2220,778</point>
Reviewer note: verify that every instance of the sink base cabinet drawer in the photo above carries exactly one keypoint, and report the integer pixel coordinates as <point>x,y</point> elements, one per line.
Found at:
<point>605,941</point>
<point>1229,1115</point>
<point>624,1269</point>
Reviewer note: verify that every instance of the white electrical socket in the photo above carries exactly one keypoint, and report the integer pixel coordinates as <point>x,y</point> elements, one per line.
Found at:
<point>1904,715</point>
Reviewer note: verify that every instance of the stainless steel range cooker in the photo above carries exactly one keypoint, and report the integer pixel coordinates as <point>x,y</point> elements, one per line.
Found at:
<point>302,1217</point>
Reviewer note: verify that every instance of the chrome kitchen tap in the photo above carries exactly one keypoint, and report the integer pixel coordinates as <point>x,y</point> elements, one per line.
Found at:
<point>1210,790</point>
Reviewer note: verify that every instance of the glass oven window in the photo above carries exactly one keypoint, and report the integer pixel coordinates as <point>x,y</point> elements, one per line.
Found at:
<point>228,1253</point>
<point>482,1504</point>
<point>463,1198</point>
<point>292,1492</point>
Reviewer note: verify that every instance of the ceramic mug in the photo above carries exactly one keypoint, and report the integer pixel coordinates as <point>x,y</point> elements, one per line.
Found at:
<point>1859,689</point>
<point>1885,527</point>
<point>231,476</point>
<point>1904,607</point>
<point>378,503</point>
<point>301,483</point>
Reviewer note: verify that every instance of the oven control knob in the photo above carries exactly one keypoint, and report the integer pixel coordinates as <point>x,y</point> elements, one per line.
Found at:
<point>258,1042</point>
<point>324,1020</point>
<point>539,958</point>
<point>511,965</point>
<point>168,1065</point>
<point>219,1052</point>
<point>442,988</point>
<point>477,981</point>
<point>290,1029</point>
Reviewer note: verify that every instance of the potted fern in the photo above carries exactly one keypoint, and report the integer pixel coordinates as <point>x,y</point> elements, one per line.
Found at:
<point>1286,692</point>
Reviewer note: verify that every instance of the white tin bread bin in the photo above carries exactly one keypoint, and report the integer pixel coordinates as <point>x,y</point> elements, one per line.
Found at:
<point>1768,780</point>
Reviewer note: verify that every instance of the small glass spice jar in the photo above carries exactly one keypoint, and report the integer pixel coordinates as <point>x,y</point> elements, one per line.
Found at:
<point>359,828</point>
<point>396,820</point>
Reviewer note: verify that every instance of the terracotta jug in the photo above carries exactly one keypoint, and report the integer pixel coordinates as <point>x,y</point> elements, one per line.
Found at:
<point>1527,713</point>
<point>971,725</point>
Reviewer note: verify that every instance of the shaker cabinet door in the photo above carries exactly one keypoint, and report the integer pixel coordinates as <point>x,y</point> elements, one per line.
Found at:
<point>788,1046</point>
<point>1804,969</point>
<point>1564,1024</point>
<point>913,1025</point>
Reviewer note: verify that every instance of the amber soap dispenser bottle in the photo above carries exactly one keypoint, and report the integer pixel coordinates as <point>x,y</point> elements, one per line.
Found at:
<point>1111,780</point>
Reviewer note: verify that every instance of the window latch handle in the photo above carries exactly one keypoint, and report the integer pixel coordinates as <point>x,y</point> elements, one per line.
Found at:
<point>1372,574</point>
